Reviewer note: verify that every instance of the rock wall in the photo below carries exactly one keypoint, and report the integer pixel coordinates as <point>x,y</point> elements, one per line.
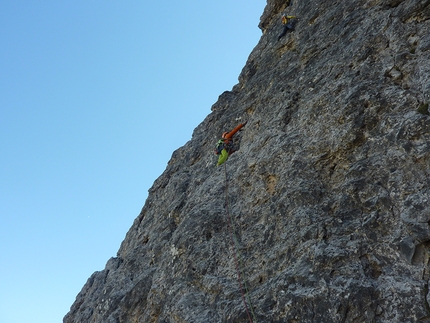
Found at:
<point>328,193</point>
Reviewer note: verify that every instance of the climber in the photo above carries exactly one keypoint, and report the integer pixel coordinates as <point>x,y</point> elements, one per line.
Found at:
<point>289,22</point>
<point>224,147</point>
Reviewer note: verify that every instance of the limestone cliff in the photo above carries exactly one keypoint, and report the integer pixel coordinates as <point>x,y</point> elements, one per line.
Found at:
<point>329,191</point>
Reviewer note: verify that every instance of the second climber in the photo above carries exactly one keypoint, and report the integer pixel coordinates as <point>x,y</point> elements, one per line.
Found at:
<point>289,23</point>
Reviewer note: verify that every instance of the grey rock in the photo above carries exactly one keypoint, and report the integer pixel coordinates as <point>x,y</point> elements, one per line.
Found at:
<point>329,191</point>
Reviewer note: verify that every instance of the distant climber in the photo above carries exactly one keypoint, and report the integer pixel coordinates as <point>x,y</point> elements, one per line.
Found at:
<point>224,146</point>
<point>289,23</point>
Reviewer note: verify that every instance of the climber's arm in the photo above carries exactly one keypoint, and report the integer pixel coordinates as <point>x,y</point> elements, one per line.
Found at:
<point>231,133</point>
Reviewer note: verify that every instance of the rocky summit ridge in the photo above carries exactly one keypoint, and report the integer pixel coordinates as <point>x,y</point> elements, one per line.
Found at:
<point>328,195</point>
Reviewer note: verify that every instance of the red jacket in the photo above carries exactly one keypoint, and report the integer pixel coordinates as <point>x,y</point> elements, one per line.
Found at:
<point>227,136</point>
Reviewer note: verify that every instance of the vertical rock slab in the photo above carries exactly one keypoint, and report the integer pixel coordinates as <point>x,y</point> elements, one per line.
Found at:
<point>329,191</point>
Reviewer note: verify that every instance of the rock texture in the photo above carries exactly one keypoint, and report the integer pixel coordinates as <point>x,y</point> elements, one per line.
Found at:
<point>329,191</point>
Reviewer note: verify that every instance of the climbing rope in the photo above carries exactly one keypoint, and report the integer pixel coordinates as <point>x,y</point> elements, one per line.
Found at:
<point>236,254</point>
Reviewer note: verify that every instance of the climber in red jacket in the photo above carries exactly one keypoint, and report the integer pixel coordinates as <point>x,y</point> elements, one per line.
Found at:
<point>224,146</point>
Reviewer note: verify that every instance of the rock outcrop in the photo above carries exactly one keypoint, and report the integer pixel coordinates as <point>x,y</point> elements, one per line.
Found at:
<point>329,191</point>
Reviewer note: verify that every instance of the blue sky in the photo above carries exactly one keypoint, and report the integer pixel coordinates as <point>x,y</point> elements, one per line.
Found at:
<point>94,98</point>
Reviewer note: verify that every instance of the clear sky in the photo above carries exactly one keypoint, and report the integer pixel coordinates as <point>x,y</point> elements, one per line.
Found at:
<point>94,98</point>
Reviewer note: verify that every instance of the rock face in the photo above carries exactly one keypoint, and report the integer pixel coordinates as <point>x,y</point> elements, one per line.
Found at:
<point>328,193</point>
